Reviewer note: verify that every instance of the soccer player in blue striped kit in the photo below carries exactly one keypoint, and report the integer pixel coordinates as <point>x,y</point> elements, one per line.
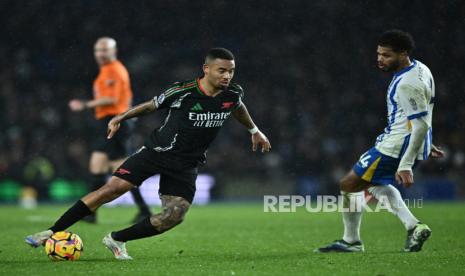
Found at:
<point>406,140</point>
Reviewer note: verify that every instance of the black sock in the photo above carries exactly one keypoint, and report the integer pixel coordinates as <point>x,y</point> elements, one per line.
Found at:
<point>97,181</point>
<point>139,230</point>
<point>143,208</point>
<point>70,217</point>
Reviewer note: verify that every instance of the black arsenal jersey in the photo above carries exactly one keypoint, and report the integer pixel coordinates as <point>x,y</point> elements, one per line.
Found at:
<point>193,120</point>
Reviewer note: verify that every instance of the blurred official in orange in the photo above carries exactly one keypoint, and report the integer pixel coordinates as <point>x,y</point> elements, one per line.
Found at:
<point>112,96</point>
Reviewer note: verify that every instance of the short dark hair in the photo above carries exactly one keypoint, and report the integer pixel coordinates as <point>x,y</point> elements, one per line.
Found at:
<point>397,40</point>
<point>221,53</point>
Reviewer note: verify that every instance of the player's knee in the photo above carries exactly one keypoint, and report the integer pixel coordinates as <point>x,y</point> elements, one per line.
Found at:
<point>345,184</point>
<point>351,183</point>
<point>176,217</point>
<point>170,217</point>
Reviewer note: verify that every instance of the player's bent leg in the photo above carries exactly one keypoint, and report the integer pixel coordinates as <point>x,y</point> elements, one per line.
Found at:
<point>144,210</point>
<point>391,197</point>
<point>352,183</point>
<point>114,188</point>
<point>417,232</point>
<point>82,208</point>
<point>174,208</point>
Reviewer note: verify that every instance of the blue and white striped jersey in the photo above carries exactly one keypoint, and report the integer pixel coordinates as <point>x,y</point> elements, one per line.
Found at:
<point>410,96</point>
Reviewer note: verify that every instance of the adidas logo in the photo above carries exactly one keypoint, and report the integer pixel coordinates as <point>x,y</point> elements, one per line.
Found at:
<point>197,107</point>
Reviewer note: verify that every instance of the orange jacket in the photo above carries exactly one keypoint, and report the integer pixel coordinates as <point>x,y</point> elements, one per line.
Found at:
<point>113,81</point>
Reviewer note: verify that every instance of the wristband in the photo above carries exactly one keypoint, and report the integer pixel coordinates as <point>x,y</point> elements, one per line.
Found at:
<point>253,130</point>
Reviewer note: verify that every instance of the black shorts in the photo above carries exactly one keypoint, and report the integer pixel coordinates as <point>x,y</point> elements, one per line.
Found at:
<point>116,147</point>
<point>147,162</point>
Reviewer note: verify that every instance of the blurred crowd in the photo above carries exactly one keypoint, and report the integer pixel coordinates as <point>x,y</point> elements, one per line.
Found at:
<point>307,67</point>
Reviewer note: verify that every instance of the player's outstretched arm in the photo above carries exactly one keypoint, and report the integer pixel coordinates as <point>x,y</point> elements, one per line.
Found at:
<point>242,115</point>
<point>79,105</point>
<point>137,111</point>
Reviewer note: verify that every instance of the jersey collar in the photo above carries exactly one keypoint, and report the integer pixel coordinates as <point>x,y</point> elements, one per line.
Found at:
<point>406,69</point>
<point>201,90</point>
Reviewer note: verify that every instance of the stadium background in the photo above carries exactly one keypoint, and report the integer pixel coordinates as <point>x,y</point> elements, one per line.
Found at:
<point>308,69</point>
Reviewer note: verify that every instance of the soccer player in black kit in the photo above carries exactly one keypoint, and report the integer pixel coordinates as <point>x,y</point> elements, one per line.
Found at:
<point>197,110</point>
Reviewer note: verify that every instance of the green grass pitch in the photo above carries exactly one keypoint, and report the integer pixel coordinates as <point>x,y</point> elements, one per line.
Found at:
<point>240,239</point>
